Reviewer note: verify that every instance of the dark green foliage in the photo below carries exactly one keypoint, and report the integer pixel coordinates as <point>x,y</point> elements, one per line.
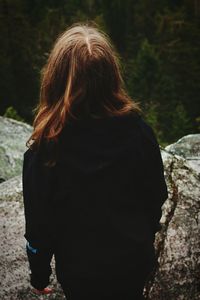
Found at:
<point>12,113</point>
<point>158,42</point>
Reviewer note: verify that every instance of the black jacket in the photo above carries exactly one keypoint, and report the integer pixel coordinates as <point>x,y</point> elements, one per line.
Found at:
<point>99,208</point>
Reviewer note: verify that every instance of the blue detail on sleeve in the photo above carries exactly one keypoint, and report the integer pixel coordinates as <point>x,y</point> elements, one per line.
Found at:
<point>34,250</point>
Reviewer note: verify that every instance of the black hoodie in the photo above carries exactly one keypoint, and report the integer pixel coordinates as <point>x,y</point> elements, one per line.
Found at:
<point>99,208</point>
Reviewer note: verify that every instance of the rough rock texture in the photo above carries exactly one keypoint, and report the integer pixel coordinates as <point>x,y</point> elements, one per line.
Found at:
<point>14,269</point>
<point>177,244</point>
<point>13,136</point>
<point>13,265</point>
<point>189,148</point>
<point>14,274</point>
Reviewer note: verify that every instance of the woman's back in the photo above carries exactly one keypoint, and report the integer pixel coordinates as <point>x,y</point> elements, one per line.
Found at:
<point>93,178</point>
<point>100,209</point>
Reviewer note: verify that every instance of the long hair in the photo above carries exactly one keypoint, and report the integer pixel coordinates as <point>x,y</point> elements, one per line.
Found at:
<point>81,79</point>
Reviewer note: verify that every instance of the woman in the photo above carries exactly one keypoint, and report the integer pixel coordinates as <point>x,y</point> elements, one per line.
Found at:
<point>93,181</point>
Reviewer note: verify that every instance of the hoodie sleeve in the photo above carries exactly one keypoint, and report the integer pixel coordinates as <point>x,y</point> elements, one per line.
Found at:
<point>37,195</point>
<point>154,189</point>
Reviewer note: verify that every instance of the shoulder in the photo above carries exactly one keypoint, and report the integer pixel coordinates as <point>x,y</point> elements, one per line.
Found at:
<point>38,152</point>
<point>28,156</point>
<point>31,157</point>
<point>29,152</point>
<point>144,126</point>
<point>147,133</point>
<point>149,148</point>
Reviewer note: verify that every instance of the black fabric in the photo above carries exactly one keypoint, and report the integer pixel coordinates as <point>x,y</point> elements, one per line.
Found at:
<point>104,289</point>
<point>99,208</point>
<point>39,263</point>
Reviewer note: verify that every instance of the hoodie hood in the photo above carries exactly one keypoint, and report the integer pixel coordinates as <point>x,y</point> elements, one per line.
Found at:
<point>94,144</point>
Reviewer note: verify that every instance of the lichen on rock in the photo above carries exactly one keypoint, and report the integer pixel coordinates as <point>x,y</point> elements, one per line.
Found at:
<point>178,242</point>
<point>13,137</point>
<point>188,147</point>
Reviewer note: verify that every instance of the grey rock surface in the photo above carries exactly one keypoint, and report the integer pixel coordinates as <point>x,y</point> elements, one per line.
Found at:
<point>14,269</point>
<point>13,264</point>
<point>13,136</point>
<point>188,147</point>
<point>177,244</point>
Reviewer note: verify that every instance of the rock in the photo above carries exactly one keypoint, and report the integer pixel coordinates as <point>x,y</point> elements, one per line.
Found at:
<point>14,267</point>
<point>11,190</point>
<point>189,148</point>
<point>14,276</point>
<point>178,242</point>
<point>13,136</point>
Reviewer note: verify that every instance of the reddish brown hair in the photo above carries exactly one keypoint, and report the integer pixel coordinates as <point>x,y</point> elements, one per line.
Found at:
<point>81,78</point>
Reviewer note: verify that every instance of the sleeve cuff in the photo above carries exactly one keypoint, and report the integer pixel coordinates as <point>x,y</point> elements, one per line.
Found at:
<point>38,283</point>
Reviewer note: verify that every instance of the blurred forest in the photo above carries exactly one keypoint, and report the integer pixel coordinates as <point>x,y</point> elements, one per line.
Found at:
<point>158,42</point>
